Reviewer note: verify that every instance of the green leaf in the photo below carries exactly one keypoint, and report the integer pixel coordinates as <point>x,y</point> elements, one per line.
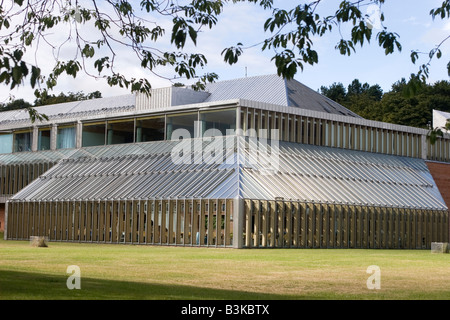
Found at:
<point>232,54</point>
<point>193,34</point>
<point>88,51</point>
<point>149,5</point>
<point>17,74</point>
<point>35,75</point>
<point>36,115</point>
<point>414,56</point>
<point>6,23</point>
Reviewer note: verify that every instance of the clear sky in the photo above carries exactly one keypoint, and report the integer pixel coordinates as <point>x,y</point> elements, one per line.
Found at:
<point>244,23</point>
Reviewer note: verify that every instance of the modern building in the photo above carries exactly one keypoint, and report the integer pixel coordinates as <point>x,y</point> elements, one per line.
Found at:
<point>258,162</point>
<point>440,119</point>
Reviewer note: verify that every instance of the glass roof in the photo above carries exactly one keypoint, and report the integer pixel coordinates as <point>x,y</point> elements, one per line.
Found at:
<point>331,175</point>
<point>289,171</point>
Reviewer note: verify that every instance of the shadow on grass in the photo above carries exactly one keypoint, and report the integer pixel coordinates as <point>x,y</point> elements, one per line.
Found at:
<point>38,286</point>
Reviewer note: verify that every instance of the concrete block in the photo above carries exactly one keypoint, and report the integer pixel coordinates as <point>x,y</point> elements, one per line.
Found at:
<point>439,247</point>
<point>38,241</point>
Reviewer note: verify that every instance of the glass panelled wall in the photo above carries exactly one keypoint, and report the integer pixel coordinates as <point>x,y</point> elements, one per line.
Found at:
<point>218,122</point>
<point>6,142</point>
<point>109,132</point>
<point>293,128</point>
<point>184,121</point>
<point>120,131</point>
<point>22,140</point>
<point>150,129</point>
<point>44,137</point>
<point>94,134</point>
<point>66,137</point>
<point>323,132</point>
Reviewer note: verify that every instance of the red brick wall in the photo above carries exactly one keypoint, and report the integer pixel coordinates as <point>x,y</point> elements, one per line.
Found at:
<point>441,175</point>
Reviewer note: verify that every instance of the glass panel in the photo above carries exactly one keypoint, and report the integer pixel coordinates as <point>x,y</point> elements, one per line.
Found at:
<point>181,121</point>
<point>65,138</point>
<point>44,139</point>
<point>6,143</point>
<point>93,134</point>
<point>120,132</point>
<point>150,129</point>
<point>221,120</point>
<point>22,141</point>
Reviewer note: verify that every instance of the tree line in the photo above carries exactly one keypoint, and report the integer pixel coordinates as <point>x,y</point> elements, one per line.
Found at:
<point>408,103</point>
<point>48,99</point>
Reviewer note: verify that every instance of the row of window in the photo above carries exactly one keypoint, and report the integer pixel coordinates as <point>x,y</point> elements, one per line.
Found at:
<point>110,132</point>
<point>322,132</point>
<point>293,128</point>
<point>22,140</point>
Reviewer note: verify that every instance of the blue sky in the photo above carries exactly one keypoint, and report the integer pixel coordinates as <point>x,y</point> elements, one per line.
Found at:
<point>410,19</point>
<point>244,23</point>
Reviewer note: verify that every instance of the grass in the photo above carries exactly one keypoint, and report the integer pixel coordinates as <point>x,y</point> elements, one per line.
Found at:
<point>177,273</point>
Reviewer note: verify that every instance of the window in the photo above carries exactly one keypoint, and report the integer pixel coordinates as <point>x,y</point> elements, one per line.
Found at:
<point>120,132</point>
<point>94,134</point>
<point>150,129</point>
<point>6,142</point>
<point>221,120</point>
<point>65,138</point>
<point>44,139</point>
<point>22,141</point>
<point>181,121</point>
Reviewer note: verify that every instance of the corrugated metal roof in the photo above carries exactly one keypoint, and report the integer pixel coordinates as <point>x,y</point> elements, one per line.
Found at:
<point>330,175</point>
<point>11,115</point>
<point>268,89</point>
<point>132,171</point>
<point>34,157</point>
<point>273,89</point>
<point>301,173</point>
<point>71,109</point>
<point>300,96</point>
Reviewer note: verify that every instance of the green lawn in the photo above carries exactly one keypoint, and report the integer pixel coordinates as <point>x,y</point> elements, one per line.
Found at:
<point>146,272</point>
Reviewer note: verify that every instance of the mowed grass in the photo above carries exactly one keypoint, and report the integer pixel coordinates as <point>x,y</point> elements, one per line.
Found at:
<point>148,272</point>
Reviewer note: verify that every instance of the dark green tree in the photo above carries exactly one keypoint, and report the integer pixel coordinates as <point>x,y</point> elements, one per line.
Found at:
<point>358,97</point>
<point>14,105</point>
<point>356,88</point>
<point>397,106</point>
<point>335,92</point>
<point>46,99</point>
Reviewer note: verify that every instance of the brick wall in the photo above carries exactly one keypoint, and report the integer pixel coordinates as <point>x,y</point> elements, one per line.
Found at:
<point>441,175</point>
